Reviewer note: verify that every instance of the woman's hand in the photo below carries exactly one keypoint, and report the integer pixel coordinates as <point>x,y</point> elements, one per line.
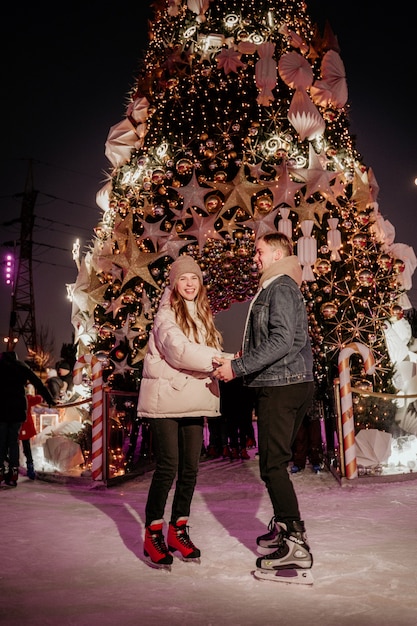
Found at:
<point>223,369</point>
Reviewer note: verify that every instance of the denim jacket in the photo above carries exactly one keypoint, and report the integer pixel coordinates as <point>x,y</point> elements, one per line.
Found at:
<point>276,347</point>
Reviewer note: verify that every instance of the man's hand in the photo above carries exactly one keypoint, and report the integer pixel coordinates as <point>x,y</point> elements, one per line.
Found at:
<point>223,370</point>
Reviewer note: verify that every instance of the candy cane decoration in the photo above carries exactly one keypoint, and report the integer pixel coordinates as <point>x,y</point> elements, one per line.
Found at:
<point>97,410</point>
<point>348,424</point>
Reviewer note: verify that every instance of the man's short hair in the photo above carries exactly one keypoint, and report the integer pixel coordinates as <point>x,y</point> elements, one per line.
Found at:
<point>279,240</point>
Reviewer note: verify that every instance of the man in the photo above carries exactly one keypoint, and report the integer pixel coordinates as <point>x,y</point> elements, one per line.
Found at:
<point>277,362</point>
<point>14,376</point>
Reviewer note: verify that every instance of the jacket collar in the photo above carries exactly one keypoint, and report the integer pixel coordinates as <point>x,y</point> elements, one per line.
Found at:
<point>288,265</point>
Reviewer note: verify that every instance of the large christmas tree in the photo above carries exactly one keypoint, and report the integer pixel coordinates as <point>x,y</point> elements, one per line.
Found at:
<point>238,125</point>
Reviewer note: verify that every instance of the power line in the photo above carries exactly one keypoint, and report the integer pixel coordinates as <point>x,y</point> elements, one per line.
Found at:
<point>18,195</point>
<point>48,219</point>
<point>72,202</point>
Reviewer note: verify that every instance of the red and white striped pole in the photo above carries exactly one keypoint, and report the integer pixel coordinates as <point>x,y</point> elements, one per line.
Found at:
<point>348,423</point>
<point>97,409</point>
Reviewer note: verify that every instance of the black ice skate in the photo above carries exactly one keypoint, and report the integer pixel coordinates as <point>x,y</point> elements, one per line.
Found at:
<point>271,540</point>
<point>12,476</point>
<point>291,561</point>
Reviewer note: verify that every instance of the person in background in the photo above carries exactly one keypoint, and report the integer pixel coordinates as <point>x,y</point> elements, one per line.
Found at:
<point>177,391</point>
<point>277,362</point>
<point>64,372</point>
<point>14,376</point>
<point>236,404</point>
<point>308,442</point>
<point>28,430</point>
<point>218,444</point>
<point>250,429</point>
<point>55,384</point>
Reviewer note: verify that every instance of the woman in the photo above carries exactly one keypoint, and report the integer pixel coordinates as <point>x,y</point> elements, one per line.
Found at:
<point>176,392</point>
<point>28,430</point>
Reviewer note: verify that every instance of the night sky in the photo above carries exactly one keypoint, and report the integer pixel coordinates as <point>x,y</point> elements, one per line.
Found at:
<point>66,77</point>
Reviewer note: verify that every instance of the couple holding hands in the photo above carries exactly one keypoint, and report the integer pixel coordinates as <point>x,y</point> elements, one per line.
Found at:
<point>179,388</point>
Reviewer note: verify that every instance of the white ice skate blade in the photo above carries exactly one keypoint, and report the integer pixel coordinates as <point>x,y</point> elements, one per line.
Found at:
<point>197,560</point>
<point>159,566</point>
<point>291,576</point>
<point>266,551</point>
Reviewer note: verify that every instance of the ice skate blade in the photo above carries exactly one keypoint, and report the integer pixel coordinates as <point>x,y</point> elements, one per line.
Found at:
<point>291,576</point>
<point>160,566</point>
<point>195,560</point>
<point>266,551</point>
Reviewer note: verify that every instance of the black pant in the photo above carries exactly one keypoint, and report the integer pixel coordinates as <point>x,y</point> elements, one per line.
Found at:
<point>177,444</point>
<point>280,411</point>
<point>27,451</point>
<point>9,443</point>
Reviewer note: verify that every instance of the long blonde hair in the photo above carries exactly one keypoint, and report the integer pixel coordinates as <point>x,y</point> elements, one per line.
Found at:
<point>188,326</point>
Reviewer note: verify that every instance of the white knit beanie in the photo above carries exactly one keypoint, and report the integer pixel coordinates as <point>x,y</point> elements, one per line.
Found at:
<point>184,265</point>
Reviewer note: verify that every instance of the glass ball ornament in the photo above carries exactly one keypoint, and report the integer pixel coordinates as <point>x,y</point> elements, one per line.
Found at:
<point>158,177</point>
<point>328,310</point>
<point>329,115</point>
<point>220,176</point>
<point>365,277</point>
<point>359,240</point>
<point>106,331</point>
<point>119,353</point>
<point>386,261</point>
<point>363,218</point>
<point>212,203</point>
<point>158,210</point>
<point>399,266</point>
<point>322,266</point>
<point>397,311</point>
<point>172,203</point>
<point>264,204</point>
<point>184,166</point>
<point>242,35</point>
<point>102,356</point>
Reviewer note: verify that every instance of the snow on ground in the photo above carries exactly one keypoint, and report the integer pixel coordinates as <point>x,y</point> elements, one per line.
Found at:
<point>72,554</point>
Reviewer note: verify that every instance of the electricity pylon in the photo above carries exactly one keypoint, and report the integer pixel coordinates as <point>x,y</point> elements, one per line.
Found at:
<point>22,316</point>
